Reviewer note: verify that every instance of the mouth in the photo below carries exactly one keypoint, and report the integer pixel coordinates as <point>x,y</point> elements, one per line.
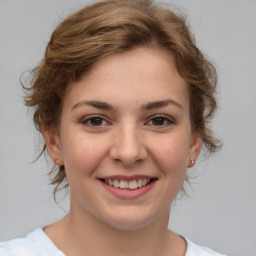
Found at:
<point>128,187</point>
<point>128,183</point>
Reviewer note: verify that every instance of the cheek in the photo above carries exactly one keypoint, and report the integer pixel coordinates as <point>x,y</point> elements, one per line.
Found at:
<point>82,155</point>
<point>171,153</point>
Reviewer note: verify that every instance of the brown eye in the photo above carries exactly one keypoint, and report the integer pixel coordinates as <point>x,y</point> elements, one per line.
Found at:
<point>158,121</point>
<point>94,121</point>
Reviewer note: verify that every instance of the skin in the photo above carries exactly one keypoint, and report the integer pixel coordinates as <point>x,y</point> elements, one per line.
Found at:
<point>129,135</point>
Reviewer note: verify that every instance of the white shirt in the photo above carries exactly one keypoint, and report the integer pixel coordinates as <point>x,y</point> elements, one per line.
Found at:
<point>37,243</point>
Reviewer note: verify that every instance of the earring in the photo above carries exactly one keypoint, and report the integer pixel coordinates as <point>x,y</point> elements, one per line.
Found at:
<point>192,160</point>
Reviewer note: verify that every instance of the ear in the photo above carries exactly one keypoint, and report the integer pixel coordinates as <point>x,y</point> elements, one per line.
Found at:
<point>53,145</point>
<point>195,147</point>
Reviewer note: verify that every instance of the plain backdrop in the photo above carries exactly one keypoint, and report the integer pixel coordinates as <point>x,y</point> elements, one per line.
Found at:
<point>221,212</point>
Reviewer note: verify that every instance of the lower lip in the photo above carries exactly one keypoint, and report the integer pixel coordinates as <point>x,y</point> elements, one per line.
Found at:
<point>129,193</point>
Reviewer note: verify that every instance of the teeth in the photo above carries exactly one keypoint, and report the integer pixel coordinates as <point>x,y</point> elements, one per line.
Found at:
<point>116,183</point>
<point>133,184</point>
<point>124,184</point>
<point>139,183</point>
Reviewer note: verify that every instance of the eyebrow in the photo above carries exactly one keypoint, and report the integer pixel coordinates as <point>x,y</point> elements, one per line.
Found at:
<point>95,104</point>
<point>160,104</point>
<point>148,106</point>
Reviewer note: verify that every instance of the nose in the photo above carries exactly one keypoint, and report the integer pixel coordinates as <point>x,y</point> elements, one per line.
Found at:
<point>128,146</point>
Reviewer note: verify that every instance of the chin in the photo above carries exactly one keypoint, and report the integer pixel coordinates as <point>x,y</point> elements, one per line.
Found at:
<point>129,225</point>
<point>134,220</point>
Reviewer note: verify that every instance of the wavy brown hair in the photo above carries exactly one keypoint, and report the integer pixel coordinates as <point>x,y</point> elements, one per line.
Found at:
<point>117,26</point>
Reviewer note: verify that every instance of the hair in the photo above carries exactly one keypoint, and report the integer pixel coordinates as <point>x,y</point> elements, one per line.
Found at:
<point>117,26</point>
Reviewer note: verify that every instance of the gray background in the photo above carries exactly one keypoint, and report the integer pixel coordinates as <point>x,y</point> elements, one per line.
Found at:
<point>221,212</point>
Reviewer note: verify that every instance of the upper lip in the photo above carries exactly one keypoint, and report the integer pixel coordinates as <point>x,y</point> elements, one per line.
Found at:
<point>128,178</point>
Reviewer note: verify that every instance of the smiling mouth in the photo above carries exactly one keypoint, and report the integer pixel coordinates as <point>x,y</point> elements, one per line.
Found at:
<point>131,184</point>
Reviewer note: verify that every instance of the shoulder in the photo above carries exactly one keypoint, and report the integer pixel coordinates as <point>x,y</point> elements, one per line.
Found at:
<point>35,243</point>
<point>196,250</point>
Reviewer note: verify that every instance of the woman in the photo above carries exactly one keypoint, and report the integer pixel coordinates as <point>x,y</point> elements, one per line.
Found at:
<point>122,98</point>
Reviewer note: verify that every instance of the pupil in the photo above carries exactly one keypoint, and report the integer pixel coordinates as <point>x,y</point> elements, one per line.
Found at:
<point>158,121</point>
<point>96,121</point>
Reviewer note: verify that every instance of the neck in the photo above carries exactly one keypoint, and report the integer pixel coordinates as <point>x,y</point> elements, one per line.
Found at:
<point>78,233</point>
<point>90,233</point>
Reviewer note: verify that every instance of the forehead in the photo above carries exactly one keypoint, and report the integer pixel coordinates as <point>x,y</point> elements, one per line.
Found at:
<point>140,75</point>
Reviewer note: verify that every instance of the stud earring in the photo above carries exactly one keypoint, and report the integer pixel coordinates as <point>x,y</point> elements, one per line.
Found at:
<point>192,160</point>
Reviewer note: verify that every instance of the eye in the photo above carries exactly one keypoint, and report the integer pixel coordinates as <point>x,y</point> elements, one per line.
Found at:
<point>160,121</point>
<point>94,121</point>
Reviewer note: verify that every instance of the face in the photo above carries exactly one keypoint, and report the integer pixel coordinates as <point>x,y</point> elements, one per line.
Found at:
<point>125,138</point>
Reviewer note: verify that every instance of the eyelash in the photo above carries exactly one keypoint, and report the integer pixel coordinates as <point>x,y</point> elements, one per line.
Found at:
<point>91,118</point>
<point>166,121</point>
